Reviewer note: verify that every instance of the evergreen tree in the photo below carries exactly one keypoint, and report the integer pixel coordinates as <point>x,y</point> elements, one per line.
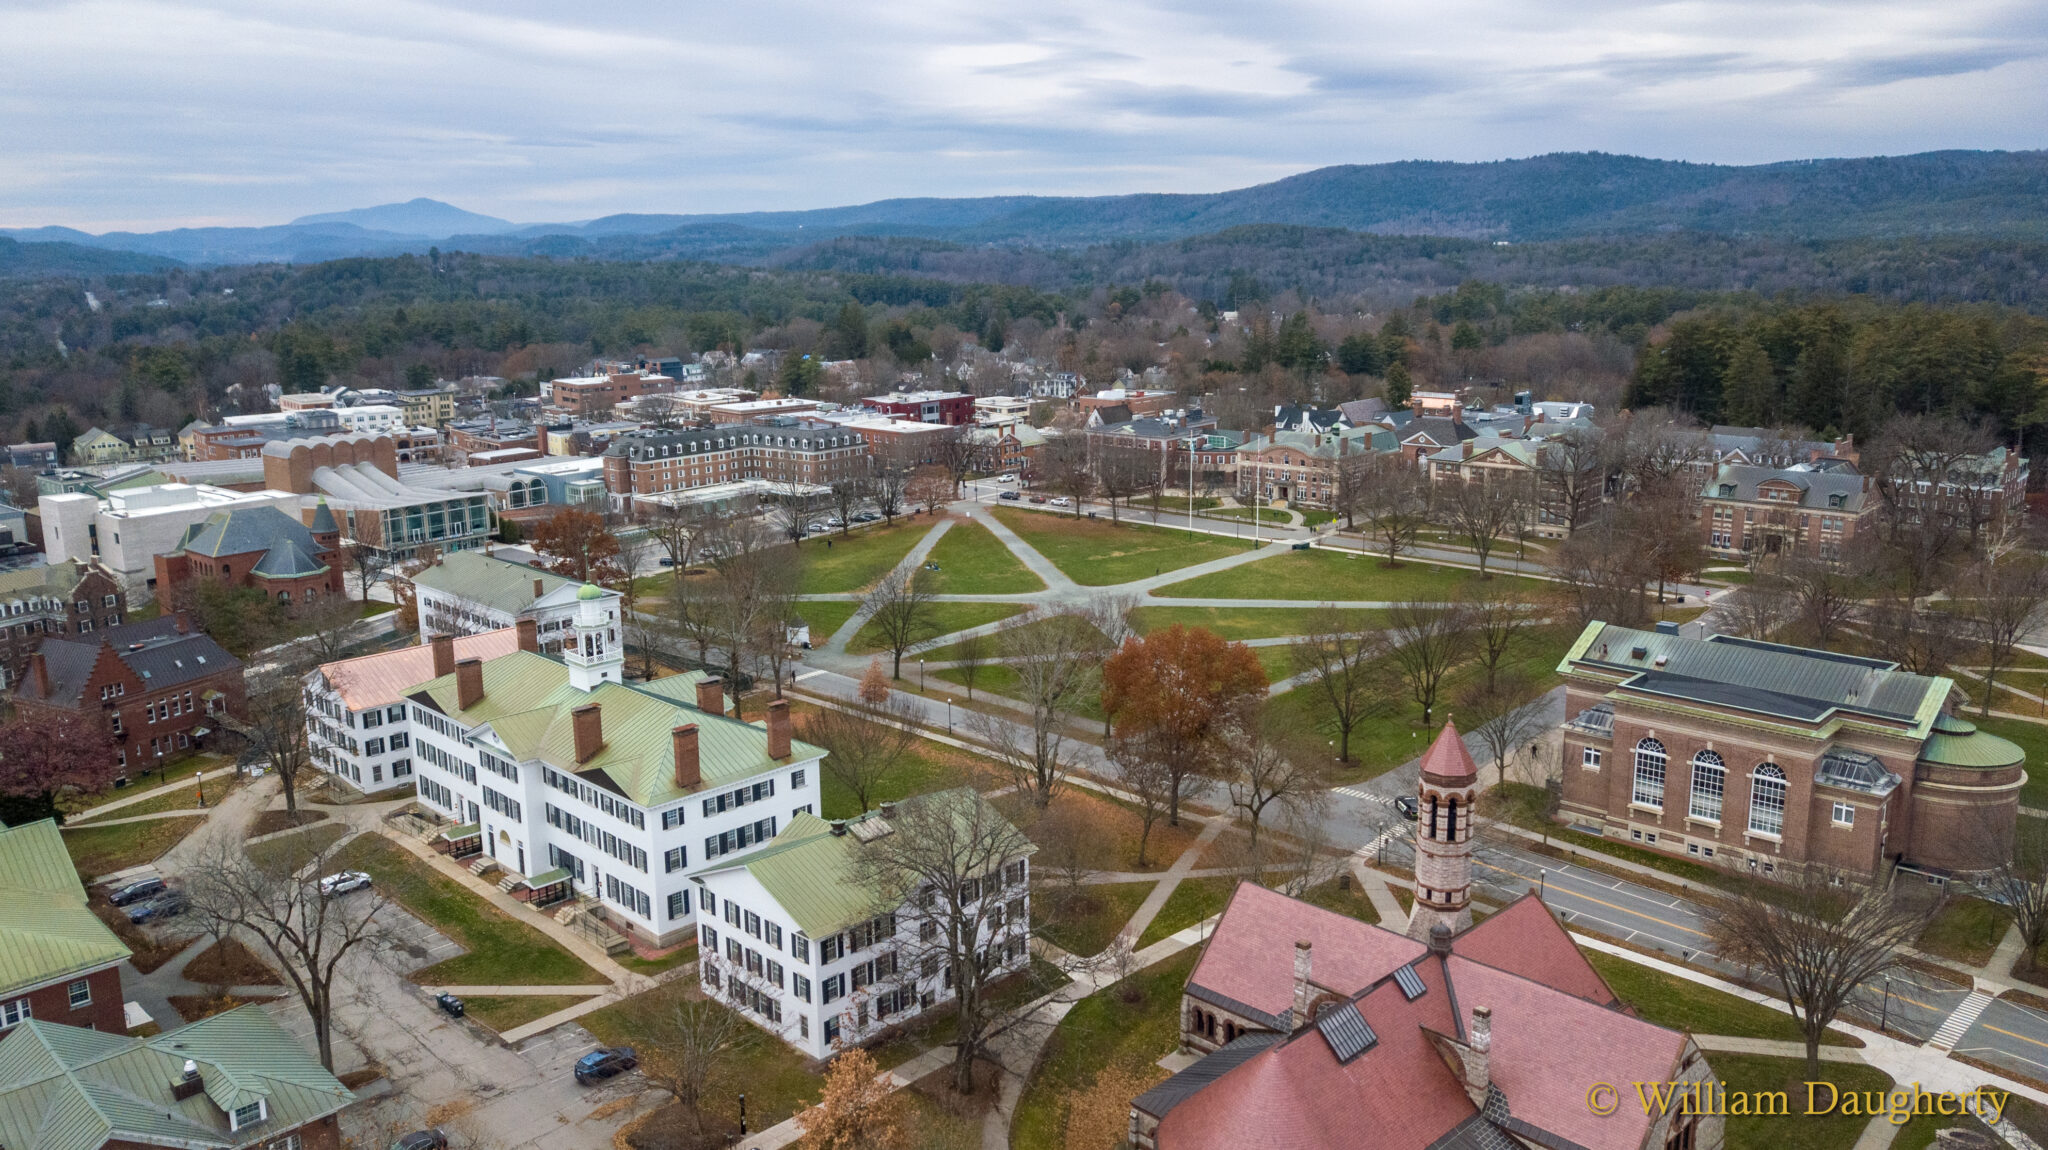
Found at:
<point>1360,354</point>
<point>1398,386</point>
<point>800,375</point>
<point>1819,382</point>
<point>1297,348</point>
<point>1749,387</point>
<point>850,332</point>
<point>419,377</point>
<point>1465,337</point>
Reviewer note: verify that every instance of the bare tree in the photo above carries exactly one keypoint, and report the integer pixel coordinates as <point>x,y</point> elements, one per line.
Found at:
<point>319,630</point>
<point>777,596</point>
<point>1483,510</point>
<point>846,494</point>
<point>692,1050</point>
<point>1343,663</point>
<point>1268,770</point>
<point>792,513</point>
<point>970,654</point>
<point>1504,714</point>
<point>370,564</point>
<point>1817,940</point>
<point>870,743</point>
<point>2003,603</point>
<point>2016,884</point>
<point>1599,574</point>
<point>1146,770</point>
<point>1824,599</point>
<point>1500,623</point>
<point>1572,470</point>
<point>929,487</point>
<point>1759,610</point>
<point>1068,469</point>
<point>677,529</point>
<point>693,614</point>
<point>1070,848</point>
<point>889,473</point>
<point>953,451</point>
<point>1057,659</point>
<point>281,906</point>
<point>954,866</point>
<point>1394,502</point>
<point>1122,473</point>
<point>1425,642</point>
<point>276,724</point>
<point>901,609</point>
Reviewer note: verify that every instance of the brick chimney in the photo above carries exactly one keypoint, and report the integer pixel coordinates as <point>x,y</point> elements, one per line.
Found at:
<point>469,683</point>
<point>1302,990</point>
<point>444,654</point>
<point>711,696</point>
<point>588,722</point>
<point>688,773</point>
<point>778,729</point>
<point>540,438</point>
<point>539,588</point>
<point>39,670</point>
<point>183,622</point>
<point>529,634</point>
<point>1478,1051</point>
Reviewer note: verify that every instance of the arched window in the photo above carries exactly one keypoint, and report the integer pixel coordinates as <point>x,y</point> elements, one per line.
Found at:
<point>1709,783</point>
<point>1650,760</point>
<point>1432,816</point>
<point>1451,829</point>
<point>1767,800</point>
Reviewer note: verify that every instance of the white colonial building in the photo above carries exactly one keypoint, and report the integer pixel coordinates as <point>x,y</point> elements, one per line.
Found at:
<point>580,784</point>
<point>357,719</point>
<point>468,593</point>
<point>795,936</point>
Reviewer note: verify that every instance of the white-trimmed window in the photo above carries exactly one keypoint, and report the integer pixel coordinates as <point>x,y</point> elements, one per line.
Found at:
<point>1649,783</point>
<point>80,993</point>
<point>1589,758</point>
<point>247,1116</point>
<point>1709,783</point>
<point>13,1012</point>
<point>1845,814</point>
<point>1767,800</point>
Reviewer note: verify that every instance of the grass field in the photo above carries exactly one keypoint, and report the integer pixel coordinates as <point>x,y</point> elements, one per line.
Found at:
<point>1097,553</point>
<point>290,852</point>
<point>1336,576</point>
<point>98,850</point>
<point>1192,901</point>
<point>929,767</point>
<point>854,562</point>
<point>2033,739</point>
<point>1250,622</point>
<point>502,950</point>
<point>1755,1073</point>
<point>1670,1001</point>
<point>182,799</point>
<point>825,617</point>
<point>994,678</point>
<point>777,1080</point>
<point>972,561</point>
<point>1350,902</point>
<point>1114,825</point>
<point>945,618</point>
<point>503,1012</point>
<point>183,768</point>
<point>952,650</point>
<point>1103,1031</point>
<point>1085,922</point>
<point>1967,930</point>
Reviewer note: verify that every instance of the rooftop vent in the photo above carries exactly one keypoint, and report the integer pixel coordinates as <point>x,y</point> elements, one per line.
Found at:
<point>1638,652</point>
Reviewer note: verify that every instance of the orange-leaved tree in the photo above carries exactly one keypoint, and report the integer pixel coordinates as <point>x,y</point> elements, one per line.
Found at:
<point>1181,689</point>
<point>578,544</point>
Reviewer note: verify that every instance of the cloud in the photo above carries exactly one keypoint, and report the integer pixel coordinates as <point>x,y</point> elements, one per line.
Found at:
<point>154,113</point>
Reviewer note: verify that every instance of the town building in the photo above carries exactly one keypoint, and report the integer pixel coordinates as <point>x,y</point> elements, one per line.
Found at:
<point>538,491</point>
<point>63,964</point>
<point>597,395</point>
<point>357,725</point>
<point>245,436</point>
<point>471,593</point>
<point>1056,385</point>
<point>681,406</point>
<point>582,785</point>
<point>124,530</point>
<point>1302,468</point>
<point>758,410</point>
<point>1001,410</point>
<point>235,1081</point>
<point>67,598</point>
<point>952,408</point>
<point>258,548</point>
<point>1007,448</point>
<point>428,406</point>
<point>1425,435</point>
<point>358,475</point>
<point>153,689</point>
<point>32,456</point>
<point>1806,511</point>
<point>790,935</point>
<point>470,436</point>
<point>1137,401</point>
<point>903,442</point>
<point>1753,756</point>
<point>1170,437</point>
<point>1519,462</point>
<point>788,453</point>
<point>138,444</point>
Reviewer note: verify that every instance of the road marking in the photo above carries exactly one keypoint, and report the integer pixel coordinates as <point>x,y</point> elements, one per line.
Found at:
<point>1603,902</point>
<point>807,675</point>
<point>2010,1034</point>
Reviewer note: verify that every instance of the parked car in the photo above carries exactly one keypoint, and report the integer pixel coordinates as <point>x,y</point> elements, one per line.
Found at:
<point>835,521</point>
<point>1038,499</point>
<point>422,1140</point>
<point>1409,808</point>
<point>450,1005</point>
<point>1009,495</point>
<point>169,904</point>
<point>667,562</point>
<point>1063,501</point>
<point>819,528</point>
<point>1007,477</point>
<point>601,1064</point>
<point>866,516</point>
<point>343,882</point>
<point>137,891</point>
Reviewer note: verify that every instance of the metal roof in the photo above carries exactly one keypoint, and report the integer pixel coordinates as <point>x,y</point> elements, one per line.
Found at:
<point>1957,742</point>
<point>1410,982</point>
<point>1347,1031</point>
<point>499,584</point>
<point>241,530</point>
<point>1854,770</point>
<point>45,929</point>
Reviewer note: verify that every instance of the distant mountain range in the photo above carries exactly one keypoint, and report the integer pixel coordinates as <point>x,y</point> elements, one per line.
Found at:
<point>1988,196</point>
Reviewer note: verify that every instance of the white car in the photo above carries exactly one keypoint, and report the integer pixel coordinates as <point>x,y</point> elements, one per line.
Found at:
<point>819,528</point>
<point>343,882</point>
<point>1063,501</point>
<point>1007,477</point>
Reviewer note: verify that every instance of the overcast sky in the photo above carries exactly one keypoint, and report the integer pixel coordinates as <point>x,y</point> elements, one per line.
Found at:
<point>150,113</point>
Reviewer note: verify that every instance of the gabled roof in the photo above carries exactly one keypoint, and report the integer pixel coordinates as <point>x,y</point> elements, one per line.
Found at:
<point>389,676</point>
<point>54,581</point>
<point>155,651</point>
<point>1250,956</point>
<point>1819,488</point>
<point>1438,429</point>
<point>527,703</point>
<point>1525,937</point>
<point>241,530</point>
<point>65,1088</point>
<point>46,932</point>
<point>499,584</point>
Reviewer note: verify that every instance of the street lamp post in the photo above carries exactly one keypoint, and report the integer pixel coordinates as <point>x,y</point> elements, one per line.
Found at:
<point>949,714</point>
<point>743,1114</point>
<point>199,777</point>
<point>1884,1012</point>
<point>920,675</point>
<point>1542,882</point>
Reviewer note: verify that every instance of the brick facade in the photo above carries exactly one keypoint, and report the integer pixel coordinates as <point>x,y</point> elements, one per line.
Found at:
<point>30,612</point>
<point>53,1001</point>
<point>192,680</point>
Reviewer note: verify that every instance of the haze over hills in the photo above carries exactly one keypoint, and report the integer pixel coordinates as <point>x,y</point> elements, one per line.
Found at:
<point>1956,195</point>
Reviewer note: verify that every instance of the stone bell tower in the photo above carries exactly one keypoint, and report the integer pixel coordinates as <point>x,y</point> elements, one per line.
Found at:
<point>1443,837</point>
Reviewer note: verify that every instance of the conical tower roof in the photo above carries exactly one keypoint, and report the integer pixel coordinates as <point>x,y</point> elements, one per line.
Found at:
<point>1448,759</point>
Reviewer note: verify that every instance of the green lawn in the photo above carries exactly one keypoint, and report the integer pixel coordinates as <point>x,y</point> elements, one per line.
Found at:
<point>1266,515</point>
<point>1967,930</point>
<point>853,562</point>
<point>1278,662</point>
<point>1337,575</point>
<point>183,767</point>
<point>1247,622</point>
<point>1671,1001</point>
<point>1522,805</point>
<point>1086,924</point>
<point>2033,739</point>
<point>972,561</point>
<point>1192,901</point>
<point>503,1012</point>
<point>946,618</point>
<point>826,616</point>
<point>674,958</point>
<point>1102,1031</point>
<point>924,769</point>
<point>778,1081</point>
<point>951,651</point>
<point>98,850</point>
<point>1096,552</point>
<point>182,799</point>
<point>996,679</point>
<point>1352,901</point>
<point>290,852</point>
<point>502,950</point>
<point>1754,1073</point>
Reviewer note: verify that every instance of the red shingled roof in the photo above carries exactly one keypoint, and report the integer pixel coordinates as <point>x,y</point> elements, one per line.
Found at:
<point>1250,957</point>
<point>385,677</point>
<point>1526,938</point>
<point>1447,758</point>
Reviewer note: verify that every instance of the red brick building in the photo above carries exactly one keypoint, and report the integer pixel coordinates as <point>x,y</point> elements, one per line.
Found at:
<point>63,964</point>
<point>1754,756</point>
<point>68,598</point>
<point>154,688</point>
<point>258,547</point>
<point>598,394</point>
<point>952,408</point>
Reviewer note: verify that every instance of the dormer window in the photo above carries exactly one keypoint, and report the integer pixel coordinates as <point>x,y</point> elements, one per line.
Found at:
<point>244,1117</point>
<point>1837,500</point>
<point>1727,491</point>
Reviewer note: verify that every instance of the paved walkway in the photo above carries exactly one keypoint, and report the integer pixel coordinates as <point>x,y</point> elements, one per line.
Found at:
<point>1169,882</point>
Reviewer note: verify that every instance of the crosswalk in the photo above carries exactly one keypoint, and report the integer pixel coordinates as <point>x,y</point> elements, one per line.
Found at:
<point>1960,1021</point>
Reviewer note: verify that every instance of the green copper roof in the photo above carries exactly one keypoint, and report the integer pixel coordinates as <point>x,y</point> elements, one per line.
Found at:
<point>1957,742</point>
<point>496,583</point>
<point>65,1088</point>
<point>527,703</point>
<point>46,931</point>
<point>816,877</point>
<point>590,591</point>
